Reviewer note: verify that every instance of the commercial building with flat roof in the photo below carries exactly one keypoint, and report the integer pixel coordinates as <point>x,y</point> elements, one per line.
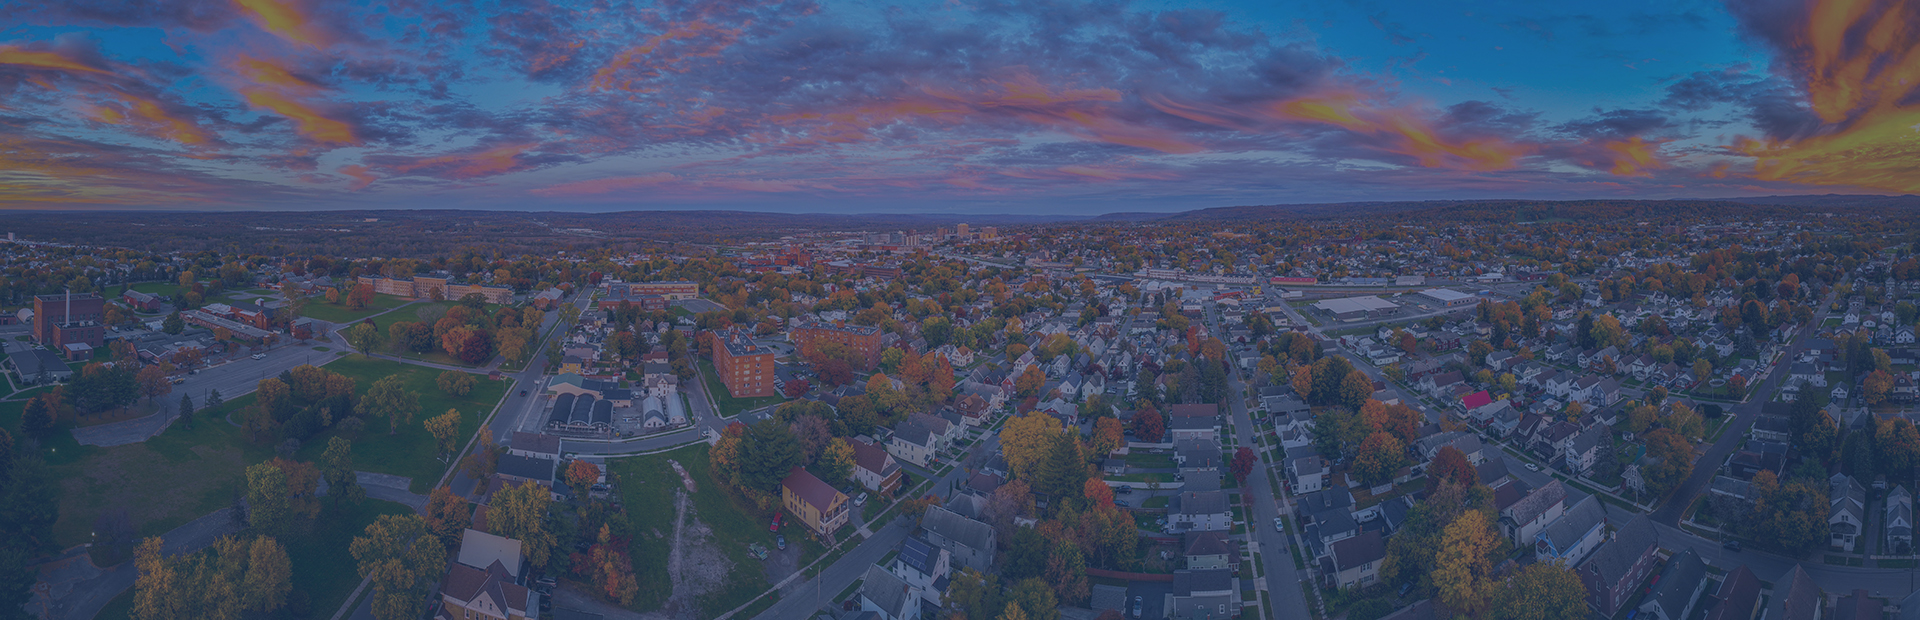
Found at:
<point>1449,298</point>
<point>1355,307</point>
<point>745,367</point>
<point>671,290</point>
<point>59,320</point>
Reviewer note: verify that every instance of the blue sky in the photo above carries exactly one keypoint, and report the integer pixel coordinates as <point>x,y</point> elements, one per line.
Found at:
<point>947,106</point>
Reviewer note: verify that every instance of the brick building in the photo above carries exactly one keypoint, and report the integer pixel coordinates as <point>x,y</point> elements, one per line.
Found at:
<point>673,290</point>
<point>59,320</point>
<point>863,339</point>
<point>745,367</point>
<point>424,288</point>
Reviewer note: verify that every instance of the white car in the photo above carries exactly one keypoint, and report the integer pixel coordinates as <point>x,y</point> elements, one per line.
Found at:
<point>259,356</point>
<point>1533,467</point>
<point>1279,525</point>
<point>860,500</point>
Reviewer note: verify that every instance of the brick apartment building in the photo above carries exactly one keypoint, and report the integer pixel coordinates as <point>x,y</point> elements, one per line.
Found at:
<point>424,287</point>
<point>671,291</point>
<point>745,367</point>
<point>60,320</point>
<point>622,294</point>
<point>863,339</point>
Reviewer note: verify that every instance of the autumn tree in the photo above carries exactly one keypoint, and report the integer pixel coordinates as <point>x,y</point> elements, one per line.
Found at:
<point>1108,435</point>
<point>611,567</point>
<point>233,578</point>
<point>403,560</point>
<point>1148,424</point>
<point>1463,571</point>
<point>485,457</point>
<point>1067,573</point>
<point>1895,444</point>
<point>455,383</point>
<point>837,461</point>
<point>268,508</point>
<point>389,398</point>
<point>1025,440</point>
<point>1541,591</point>
<point>448,515</point>
<point>1684,421</point>
<point>520,512</point>
<point>364,337</point>
<point>154,381</point>
<point>1242,465</point>
<point>1035,597</point>
<point>1451,465</point>
<point>1097,493</point>
<point>445,429</point>
<point>582,475</point>
<point>1380,456</point>
<point>1673,460</point>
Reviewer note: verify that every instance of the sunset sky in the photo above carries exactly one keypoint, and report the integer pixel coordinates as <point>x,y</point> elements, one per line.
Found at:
<point>996,106</point>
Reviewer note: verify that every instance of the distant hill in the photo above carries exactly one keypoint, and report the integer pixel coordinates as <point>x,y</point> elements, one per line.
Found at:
<point>1498,210</point>
<point>1865,201</point>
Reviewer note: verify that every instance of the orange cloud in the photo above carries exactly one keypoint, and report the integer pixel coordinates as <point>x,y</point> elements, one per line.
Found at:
<point>471,165</point>
<point>16,55</point>
<point>1635,157</point>
<point>361,177</point>
<point>285,18</point>
<point>608,77</point>
<point>311,122</point>
<point>1861,61</point>
<point>1402,131</point>
<point>605,186</point>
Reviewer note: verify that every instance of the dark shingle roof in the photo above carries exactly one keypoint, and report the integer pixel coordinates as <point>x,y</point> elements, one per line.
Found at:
<point>1614,560</point>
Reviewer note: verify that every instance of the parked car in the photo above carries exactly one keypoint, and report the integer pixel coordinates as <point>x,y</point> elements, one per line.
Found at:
<point>781,542</point>
<point>1731,545</point>
<point>1138,603</point>
<point>860,500</point>
<point>1121,503</point>
<point>1123,489</point>
<point>1532,467</point>
<point>259,356</point>
<point>523,392</point>
<point>1279,525</point>
<point>776,521</point>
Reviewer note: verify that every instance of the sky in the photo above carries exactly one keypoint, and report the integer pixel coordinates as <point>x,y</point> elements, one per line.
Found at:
<point>950,106</point>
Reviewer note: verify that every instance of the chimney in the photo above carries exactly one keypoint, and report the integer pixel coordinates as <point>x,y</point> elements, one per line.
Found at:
<point>67,318</point>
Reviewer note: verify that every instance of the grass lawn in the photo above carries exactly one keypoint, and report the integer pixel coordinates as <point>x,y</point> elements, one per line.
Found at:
<point>163,289</point>
<point>646,485</point>
<point>723,400</point>
<point>339,313</point>
<point>1157,501</point>
<point>1149,460</point>
<point>412,313</point>
<point>411,452</point>
<point>1161,478</point>
<point>162,483</point>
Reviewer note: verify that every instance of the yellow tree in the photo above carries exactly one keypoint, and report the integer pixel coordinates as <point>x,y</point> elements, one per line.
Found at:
<point>520,512</point>
<point>1541,591</point>
<point>1025,441</point>
<point>158,591</point>
<point>1462,571</point>
<point>446,430</point>
<point>1108,435</point>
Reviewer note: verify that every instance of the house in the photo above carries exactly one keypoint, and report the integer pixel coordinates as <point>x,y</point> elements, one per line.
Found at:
<point>817,504</point>
<point>923,567</point>
<point>1193,427</point>
<point>1795,597</point>
<point>39,366</point>
<point>1899,521</point>
<point>1679,586</point>
<point>969,542</point>
<point>1199,511</point>
<point>1584,450</point>
<point>494,592</point>
<point>1739,593</point>
<point>888,596</point>
<point>534,445</point>
<point>1846,512</point>
<point>1571,537</point>
<point>913,441</point>
<point>1617,568</point>
<point>1523,521</point>
<point>1467,443</point>
<point>1200,594</point>
<point>1861,605</point>
<point>1208,550</point>
<point>874,468</point>
<point>1772,428</point>
<point>1308,473</point>
<point>1356,561</point>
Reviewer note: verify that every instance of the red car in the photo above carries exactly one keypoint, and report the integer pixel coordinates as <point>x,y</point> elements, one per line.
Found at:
<point>776,521</point>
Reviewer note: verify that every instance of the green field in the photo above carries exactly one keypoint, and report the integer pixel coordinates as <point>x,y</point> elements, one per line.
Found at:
<point>723,400</point>
<point>319,309</point>
<point>324,573</point>
<point>411,452</point>
<point>647,485</point>
<point>163,289</point>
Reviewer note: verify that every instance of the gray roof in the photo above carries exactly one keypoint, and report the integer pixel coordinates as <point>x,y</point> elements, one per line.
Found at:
<point>1612,561</point>
<point>1358,550</point>
<point>1590,438</point>
<point>968,532</point>
<point>1201,503</point>
<point>887,590</point>
<point>526,467</point>
<point>1107,597</point>
<point>919,554</point>
<point>1678,584</point>
<point>1579,520</point>
<point>1539,502</point>
<point>1187,582</point>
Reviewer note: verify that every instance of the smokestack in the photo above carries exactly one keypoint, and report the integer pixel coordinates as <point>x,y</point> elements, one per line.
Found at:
<point>67,319</point>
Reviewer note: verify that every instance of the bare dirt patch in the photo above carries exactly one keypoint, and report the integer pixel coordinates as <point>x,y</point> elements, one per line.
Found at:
<point>695,563</point>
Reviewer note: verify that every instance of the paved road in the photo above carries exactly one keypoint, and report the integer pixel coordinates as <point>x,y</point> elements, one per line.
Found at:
<point>1745,414</point>
<point>1883,582</point>
<point>816,592</point>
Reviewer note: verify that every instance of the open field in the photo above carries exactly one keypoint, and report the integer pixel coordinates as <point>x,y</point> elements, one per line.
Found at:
<point>411,451</point>
<point>319,309</point>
